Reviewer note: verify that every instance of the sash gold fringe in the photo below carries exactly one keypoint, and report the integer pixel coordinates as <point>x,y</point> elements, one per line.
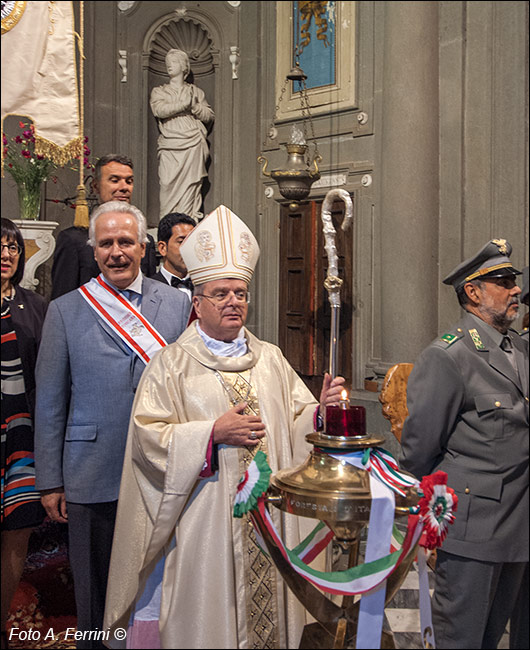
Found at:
<point>59,155</point>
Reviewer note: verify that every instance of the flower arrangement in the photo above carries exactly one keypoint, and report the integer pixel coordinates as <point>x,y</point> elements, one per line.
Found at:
<point>29,170</point>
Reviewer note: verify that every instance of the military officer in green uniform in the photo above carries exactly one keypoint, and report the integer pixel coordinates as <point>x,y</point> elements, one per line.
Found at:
<point>467,398</point>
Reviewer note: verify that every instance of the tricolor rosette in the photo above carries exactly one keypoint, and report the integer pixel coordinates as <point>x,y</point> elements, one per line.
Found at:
<point>436,508</point>
<point>252,485</point>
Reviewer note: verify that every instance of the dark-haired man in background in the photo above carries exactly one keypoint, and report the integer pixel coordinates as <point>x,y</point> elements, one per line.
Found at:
<point>73,259</point>
<point>172,231</point>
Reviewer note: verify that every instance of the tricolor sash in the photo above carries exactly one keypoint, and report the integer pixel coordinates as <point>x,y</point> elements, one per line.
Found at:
<point>122,317</point>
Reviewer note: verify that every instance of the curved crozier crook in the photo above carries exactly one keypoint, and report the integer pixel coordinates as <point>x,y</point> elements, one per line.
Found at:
<point>329,229</point>
<point>333,283</point>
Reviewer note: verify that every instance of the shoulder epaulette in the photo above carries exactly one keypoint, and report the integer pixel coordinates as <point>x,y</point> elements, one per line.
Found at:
<point>446,340</point>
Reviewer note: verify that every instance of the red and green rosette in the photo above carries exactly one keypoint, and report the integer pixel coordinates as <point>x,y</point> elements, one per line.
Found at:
<point>436,508</point>
<point>252,485</point>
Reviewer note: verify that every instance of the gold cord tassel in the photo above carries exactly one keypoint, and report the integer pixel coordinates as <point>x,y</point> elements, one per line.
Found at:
<point>81,218</point>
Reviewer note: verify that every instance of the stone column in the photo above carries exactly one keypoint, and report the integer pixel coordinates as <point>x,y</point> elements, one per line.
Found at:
<point>409,180</point>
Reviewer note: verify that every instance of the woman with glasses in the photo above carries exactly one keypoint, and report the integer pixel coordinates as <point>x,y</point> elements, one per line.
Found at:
<point>22,317</point>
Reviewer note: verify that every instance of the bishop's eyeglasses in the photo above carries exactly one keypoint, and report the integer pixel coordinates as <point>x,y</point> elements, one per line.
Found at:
<point>220,298</point>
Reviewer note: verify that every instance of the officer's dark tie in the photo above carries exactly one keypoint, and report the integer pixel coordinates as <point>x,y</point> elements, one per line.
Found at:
<point>178,282</point>
<point>507,346</point>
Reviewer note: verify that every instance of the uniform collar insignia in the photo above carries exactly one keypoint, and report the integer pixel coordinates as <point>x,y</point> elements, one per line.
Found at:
<point>475,336</point>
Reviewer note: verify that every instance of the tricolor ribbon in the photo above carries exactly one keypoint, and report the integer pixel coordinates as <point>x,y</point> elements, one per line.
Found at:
<point>355,580</point>
<point>381,465</point>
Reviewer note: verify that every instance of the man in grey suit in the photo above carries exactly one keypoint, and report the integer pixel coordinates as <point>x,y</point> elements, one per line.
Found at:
<point>96,342</point>
<point>468,416</point>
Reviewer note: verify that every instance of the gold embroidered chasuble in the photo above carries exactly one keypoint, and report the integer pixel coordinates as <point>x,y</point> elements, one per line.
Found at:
<point>218,590</point>
<point>260,583</point>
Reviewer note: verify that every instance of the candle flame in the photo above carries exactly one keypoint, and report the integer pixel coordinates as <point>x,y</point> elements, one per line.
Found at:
<point>344,395</point>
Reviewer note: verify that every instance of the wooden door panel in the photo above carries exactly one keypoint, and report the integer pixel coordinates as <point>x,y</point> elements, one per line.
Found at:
<point>305,313</point>
<point>295,292</point>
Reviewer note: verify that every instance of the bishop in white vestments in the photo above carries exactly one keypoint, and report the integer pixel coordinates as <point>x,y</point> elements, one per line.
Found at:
<point>184,572</point>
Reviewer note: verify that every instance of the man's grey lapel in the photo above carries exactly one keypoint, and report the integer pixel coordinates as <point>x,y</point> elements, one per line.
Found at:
<point>151,300</point>
<point>108,330</point>
<point>522,364</point>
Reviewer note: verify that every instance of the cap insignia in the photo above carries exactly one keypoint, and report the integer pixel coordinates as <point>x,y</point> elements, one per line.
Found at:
<point>475,336</point>
<point>501,243</point>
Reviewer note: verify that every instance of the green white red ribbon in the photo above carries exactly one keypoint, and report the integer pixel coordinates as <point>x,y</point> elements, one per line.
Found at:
<point>356,580</point>
<point>382,466</point>
<point>314,543</point>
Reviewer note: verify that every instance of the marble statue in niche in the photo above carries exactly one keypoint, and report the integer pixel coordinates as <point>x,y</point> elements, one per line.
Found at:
<point>182,114</point>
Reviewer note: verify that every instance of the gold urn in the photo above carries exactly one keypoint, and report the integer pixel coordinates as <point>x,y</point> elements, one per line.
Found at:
<point>332,490</point>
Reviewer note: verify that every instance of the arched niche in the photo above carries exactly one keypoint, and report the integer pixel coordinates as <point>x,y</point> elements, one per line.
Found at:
<point>195,37</point>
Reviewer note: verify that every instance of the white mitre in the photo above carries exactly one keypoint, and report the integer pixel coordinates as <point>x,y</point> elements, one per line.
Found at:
<point>220,246</point>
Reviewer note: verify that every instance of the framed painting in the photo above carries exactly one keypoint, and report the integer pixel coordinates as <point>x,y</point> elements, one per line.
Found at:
<point>322,34</point>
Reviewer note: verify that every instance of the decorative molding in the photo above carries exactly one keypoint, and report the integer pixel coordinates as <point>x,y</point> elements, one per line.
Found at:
<point>37,235</point>
<point>331,180</point>
<point>366,180</point>
<point>122,62</point>
<point>180,12</point>
<point>182,34</point>
<point>234,59</point>
<point>125,5</point>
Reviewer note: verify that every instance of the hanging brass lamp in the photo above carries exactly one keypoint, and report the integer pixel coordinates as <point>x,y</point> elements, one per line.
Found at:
<point>298,175</point>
